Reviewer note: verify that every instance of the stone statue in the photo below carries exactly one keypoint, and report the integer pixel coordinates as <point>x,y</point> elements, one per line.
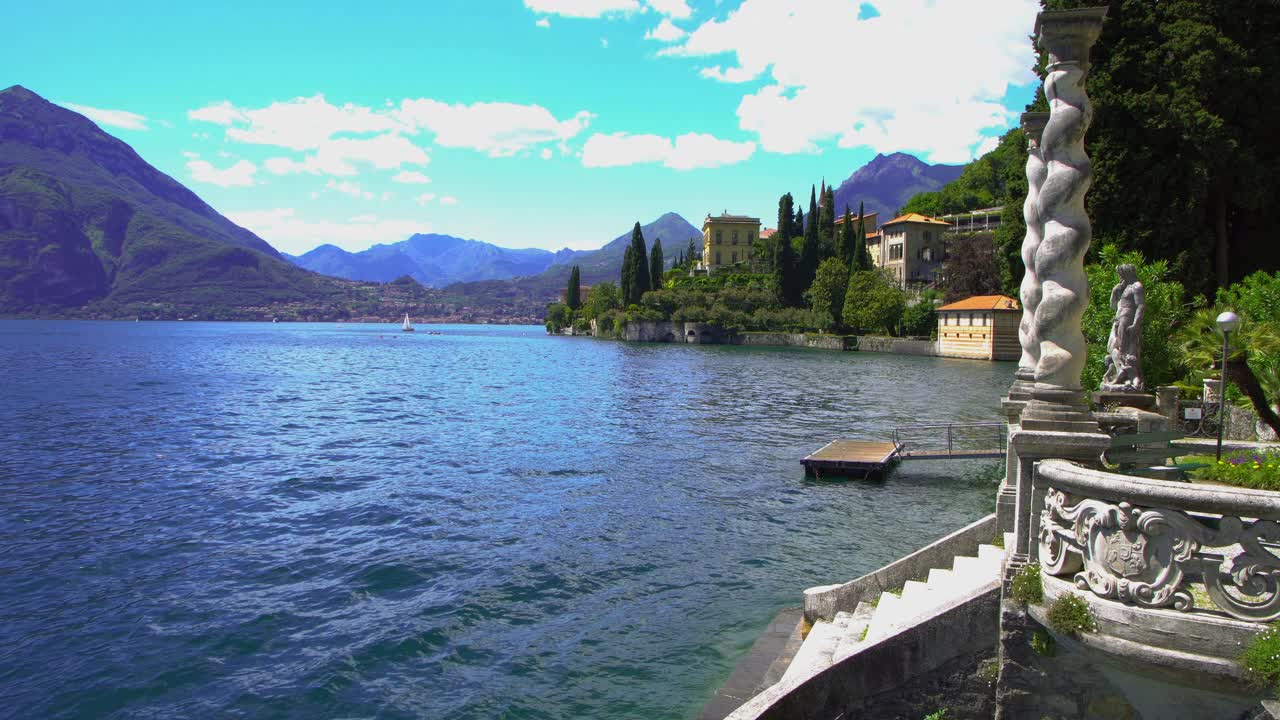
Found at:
<point>1124,346</point>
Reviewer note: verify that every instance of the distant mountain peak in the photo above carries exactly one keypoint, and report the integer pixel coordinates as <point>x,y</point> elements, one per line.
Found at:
<point>887,182</point>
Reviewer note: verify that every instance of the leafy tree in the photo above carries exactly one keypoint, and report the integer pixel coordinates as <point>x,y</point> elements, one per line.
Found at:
<point>573,293</point>
<point>826,294</point>
<point>922,317</point>
<point>873,302</point>
<point>558,316</point>
<point>1182,141</point>
<point>1254,343</point>
<point>972,266</point>
<point>691,255</point>
<point>601,298</point>
<point>656,265</point>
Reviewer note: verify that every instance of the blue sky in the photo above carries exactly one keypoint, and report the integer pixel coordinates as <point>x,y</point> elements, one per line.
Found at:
<point>542,123</point>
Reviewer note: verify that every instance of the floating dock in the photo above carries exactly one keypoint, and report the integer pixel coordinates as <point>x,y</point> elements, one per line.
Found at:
<point>852,458</point>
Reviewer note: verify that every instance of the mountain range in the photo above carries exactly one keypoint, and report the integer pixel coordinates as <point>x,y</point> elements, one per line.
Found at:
<point>86,222</point>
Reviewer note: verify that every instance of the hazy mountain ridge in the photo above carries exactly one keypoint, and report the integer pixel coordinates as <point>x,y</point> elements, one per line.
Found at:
<point>434,260</point>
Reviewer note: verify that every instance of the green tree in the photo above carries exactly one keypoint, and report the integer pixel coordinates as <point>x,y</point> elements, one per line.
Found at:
<point>558,316</point>
<point>972,266</point>
<point>921,318</point>
<point>691,255</point>
<point>601,298</point>
<point>873,302</point>
<point>786,217</point>
<point>863,259</point>
<point>573,293</point>
<point>827,223</point>
<point>848,245</point>
<point>1183,144</point>
<point>656,265</point>
<point>627,280</point>
<point>826,294</point>
<point>639,264</point>
<point>809,252</point>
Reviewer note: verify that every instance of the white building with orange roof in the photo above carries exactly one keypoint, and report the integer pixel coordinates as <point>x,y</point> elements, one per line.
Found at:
<point>982,327</point>
<point>911,248</point>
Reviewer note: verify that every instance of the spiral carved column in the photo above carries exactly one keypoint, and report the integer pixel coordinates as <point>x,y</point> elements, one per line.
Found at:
<point>1024,377</point>
<point>1057,400</point>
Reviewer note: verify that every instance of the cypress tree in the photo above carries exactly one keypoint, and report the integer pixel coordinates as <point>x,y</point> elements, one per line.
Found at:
<point>573,294</point>
<point>809,250</point>
<point>691,255</point>
<point>848,247</point>
<point>786,216</point>
<point>863,259</point>
<point>655,264</point>
<point>639,266</point>
<point>827,224</point>
<point>628,275</point>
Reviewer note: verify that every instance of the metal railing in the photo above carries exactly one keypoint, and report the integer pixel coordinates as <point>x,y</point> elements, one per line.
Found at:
<point>953,440</point>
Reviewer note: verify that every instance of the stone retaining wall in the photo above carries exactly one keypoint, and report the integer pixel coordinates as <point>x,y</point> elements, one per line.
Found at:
<point>898,346</point>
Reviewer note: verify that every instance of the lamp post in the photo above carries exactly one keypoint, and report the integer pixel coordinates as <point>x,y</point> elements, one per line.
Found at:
<point>1227,322</point>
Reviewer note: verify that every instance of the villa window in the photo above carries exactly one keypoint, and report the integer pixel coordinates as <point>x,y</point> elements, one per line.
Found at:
<point>733,258</point>
<point>734,237</point>
<point>717,256</point>
<point>751,237</point>
<point>719,237</point>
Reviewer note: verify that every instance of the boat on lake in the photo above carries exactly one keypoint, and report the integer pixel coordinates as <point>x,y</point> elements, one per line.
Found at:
<point>406,327</point>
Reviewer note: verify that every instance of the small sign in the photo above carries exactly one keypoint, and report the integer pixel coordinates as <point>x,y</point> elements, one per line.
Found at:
<point>1192,413</point>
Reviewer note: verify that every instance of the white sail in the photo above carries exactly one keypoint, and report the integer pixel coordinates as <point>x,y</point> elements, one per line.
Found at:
<point>406,325</point>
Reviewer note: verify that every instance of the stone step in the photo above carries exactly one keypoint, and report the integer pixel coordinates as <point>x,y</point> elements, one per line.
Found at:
<point>854,632</point>
<point>938,575</point>
<point>991,552</point>
<point>820,644</point>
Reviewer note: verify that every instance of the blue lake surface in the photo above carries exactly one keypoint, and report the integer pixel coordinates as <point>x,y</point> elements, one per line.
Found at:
<point>325,520</point>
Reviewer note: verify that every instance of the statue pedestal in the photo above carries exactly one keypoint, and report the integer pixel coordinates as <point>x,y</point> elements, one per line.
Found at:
<point>1123,398</point>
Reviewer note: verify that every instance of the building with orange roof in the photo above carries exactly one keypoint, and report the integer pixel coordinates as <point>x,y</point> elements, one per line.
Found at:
<point>911,248</point>
<point>982,327</point>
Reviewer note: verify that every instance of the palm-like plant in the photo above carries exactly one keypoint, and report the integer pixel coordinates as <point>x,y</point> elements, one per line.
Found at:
<point>1253,363</point>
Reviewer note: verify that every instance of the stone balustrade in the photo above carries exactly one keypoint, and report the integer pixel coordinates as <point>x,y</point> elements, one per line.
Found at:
<point>1149,543</point>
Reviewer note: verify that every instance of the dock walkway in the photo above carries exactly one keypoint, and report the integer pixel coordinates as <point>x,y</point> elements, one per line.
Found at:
<point>856,458</point>
<point>871,459</point>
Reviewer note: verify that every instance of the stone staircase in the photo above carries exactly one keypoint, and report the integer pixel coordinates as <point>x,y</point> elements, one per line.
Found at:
<point>830,642</point>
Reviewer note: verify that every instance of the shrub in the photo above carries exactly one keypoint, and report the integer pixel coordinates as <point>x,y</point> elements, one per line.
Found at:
<point>1251,469</point>
<point>1070,614</point>
<point>1261,658</point>
<point>1027,587</point>
<point>937,715</point>
<point>1042,644</point>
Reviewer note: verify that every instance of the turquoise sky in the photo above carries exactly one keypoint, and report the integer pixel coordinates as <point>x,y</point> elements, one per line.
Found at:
<point>547,123</point>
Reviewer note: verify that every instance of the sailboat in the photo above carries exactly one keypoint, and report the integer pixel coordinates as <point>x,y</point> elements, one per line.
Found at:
<point>406,327</point>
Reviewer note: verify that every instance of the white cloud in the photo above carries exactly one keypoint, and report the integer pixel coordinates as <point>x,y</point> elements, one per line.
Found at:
<point>337,156</point>
<point>349,188</point>
<point>112,118</point>
<point>238,175</point>
<point>987,145</point>
<point>411,177</point>
<point>678,9</point>
<point>543,23</point>
<point>448,200</point>
<point>546,153</point>
<point>223,113</point>
<point>915,105</point>
<point>688,152</point>
<point>365,219</point>
<point>497,128</point>
<point>286,231</point>
<point>666,31</point>
<point>190,155</point>
<point>582,8</point>
<point>424,198</point>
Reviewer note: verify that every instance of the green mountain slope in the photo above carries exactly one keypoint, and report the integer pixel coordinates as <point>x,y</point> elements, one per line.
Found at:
<point>83,218</point>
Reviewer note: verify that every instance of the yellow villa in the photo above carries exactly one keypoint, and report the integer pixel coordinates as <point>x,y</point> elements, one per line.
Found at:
<point>911,248</point>
<point>982,327</point>
<point>726,239</point>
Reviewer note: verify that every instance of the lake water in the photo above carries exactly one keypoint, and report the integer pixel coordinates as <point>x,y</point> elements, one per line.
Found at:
<point>321,520</point>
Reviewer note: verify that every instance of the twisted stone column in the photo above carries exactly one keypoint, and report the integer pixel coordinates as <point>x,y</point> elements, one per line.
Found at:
<point>1024,377</point>
<point>1057,400</point>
